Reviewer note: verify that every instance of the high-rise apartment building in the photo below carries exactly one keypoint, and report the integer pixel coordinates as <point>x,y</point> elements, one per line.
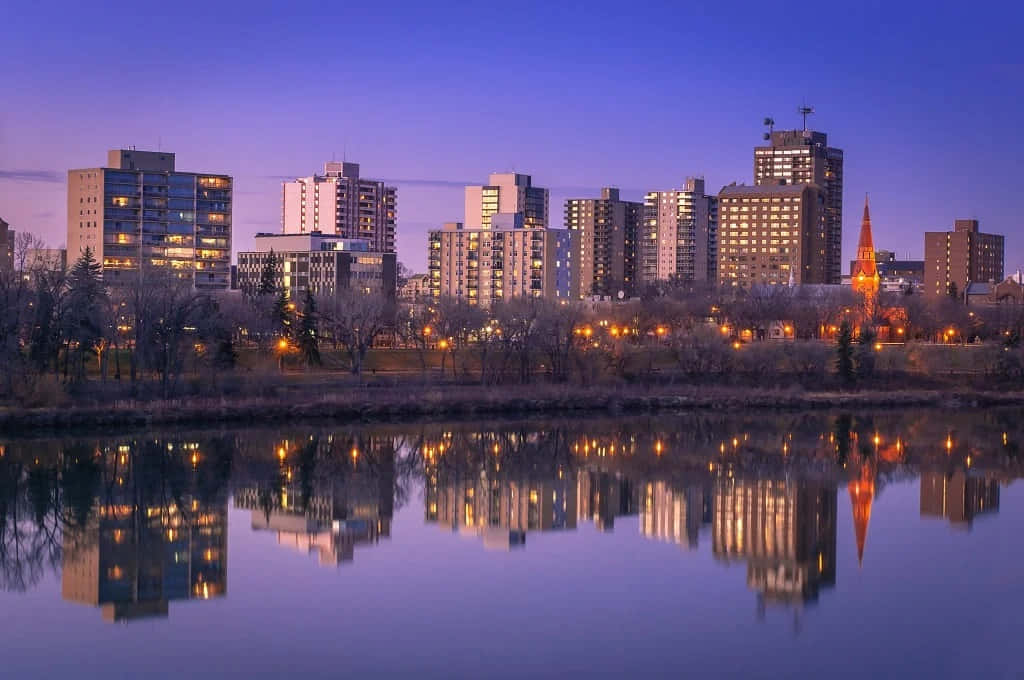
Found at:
<point>340,202</point>
<point>484,266</point>
<point>140,210</point>
<point>804,157</point>
<point>679,235</point>
<point>506,192</point>
<point>952,259</point>
<point>607,229</point>
<point>504,249</point>
<point>325,264</point>
<point>771,235</point>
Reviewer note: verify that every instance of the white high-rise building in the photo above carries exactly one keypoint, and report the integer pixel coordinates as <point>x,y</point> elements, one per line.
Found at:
<point>340,202</point>
<point>679,235</point>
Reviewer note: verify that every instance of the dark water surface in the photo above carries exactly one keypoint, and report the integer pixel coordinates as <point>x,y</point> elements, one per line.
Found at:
<point>784,545</point>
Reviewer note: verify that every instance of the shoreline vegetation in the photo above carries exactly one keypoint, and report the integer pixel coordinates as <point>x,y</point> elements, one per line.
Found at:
<point>75,354</point>
<point>391,404</point>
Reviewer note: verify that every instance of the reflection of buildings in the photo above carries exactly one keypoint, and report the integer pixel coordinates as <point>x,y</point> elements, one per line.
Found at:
<point>602,496</point>
<point>674,515</point>
<point>501,510</point>
<point>957,496</point>
<point>132,559</point>
<point>785,530</point>
<point>331,521</point>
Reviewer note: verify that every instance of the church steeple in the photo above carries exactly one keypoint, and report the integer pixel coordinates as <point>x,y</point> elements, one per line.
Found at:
<point>862,493</point>
<point>865,278</point>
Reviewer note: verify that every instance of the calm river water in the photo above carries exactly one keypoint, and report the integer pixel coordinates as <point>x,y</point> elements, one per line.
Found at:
<point>774,545</point>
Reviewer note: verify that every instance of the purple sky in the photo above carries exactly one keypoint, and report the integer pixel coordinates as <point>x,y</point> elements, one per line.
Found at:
<point>434,95</point>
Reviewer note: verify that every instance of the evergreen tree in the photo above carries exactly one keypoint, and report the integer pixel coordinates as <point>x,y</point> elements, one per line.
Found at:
<point>86,297</point>
<point>844,353</point>
<point>865,354</point>
<point>308,339</point>
<point>268,277</point>
<point>281,314</point>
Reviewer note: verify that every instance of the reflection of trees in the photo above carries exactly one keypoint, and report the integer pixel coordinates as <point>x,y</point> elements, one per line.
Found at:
<point>51,493</point>
<point>37,502</point>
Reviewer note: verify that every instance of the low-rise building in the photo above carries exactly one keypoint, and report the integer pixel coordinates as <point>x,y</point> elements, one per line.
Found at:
<point>415,288</point>
<point>45,259</point>
<point>322,263</point>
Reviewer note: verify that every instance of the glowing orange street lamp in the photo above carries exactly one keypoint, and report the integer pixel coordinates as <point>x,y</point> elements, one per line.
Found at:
<point>661,330</point>
<point>443,344</point>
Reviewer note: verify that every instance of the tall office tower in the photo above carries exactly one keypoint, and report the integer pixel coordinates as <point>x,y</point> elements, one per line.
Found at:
<point>771,235</point>
<point>506,192</point>
<point>340,202</point>
<point>958,257</point>
<point>679,235</point>
<point>804,157</point>
<point>140,210</point>
<point>607,229</point>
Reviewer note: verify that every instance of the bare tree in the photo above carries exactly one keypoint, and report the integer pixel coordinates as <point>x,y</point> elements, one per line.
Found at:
<point>353,320</point>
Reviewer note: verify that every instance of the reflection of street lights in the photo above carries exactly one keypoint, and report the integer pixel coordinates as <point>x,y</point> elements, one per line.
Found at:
<point>282,349</point>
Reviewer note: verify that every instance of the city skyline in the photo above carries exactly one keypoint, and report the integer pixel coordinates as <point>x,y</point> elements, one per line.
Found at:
<point>426,129</point>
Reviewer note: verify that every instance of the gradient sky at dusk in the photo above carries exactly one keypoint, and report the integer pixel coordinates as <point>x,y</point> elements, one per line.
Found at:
<point>925,100</point>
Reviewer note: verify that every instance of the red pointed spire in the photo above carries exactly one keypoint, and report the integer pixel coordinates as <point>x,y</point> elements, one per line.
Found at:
<point>865,270</point>
<point>862,493</point>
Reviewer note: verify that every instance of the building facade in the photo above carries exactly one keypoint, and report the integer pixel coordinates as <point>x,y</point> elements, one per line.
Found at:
<point>6,247</point>
<point>140,211</point>
<point>771,235</point>
<point>679,235</point>
<point>340,202</point>
<point>45,259</point>
<point>804,157</point>
<point>506,193</point>
<point>607,229</point>
<point>953,259</point>
<point>322,263</point>
<point>504,248</point>
<point>415,289</point>
<point>485,266</point>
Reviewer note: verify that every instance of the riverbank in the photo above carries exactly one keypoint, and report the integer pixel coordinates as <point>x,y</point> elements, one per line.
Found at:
<point>402,405</point>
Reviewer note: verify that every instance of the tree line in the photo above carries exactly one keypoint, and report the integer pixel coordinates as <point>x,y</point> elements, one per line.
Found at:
<point>63,332</point>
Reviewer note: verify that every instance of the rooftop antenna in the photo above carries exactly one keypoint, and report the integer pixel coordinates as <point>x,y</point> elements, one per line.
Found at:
<point>770,124</point>
<point>805,111</point>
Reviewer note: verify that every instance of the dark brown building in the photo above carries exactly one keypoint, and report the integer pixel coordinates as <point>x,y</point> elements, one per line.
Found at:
<point>804,157</point>
<point>6,247</point>
<point>961,256</point>
<point>608,230</point>
<point>768,233</point>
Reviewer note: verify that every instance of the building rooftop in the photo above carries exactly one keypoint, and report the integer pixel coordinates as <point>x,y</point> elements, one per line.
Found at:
<point>740,190</point>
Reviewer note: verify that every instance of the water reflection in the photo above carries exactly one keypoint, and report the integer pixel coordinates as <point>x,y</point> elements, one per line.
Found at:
<point>133,524</point>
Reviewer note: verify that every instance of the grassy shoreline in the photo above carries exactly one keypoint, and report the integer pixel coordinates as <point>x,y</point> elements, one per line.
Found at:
<point>389,405</point>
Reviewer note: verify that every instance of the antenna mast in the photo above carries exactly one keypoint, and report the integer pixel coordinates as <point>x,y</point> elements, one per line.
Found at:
<point>770,124</point>
<point>805,111</point>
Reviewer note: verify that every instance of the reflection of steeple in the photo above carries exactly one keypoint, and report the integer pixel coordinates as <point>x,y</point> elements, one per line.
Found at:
<point>864,279</point>
<point>862,493</point>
